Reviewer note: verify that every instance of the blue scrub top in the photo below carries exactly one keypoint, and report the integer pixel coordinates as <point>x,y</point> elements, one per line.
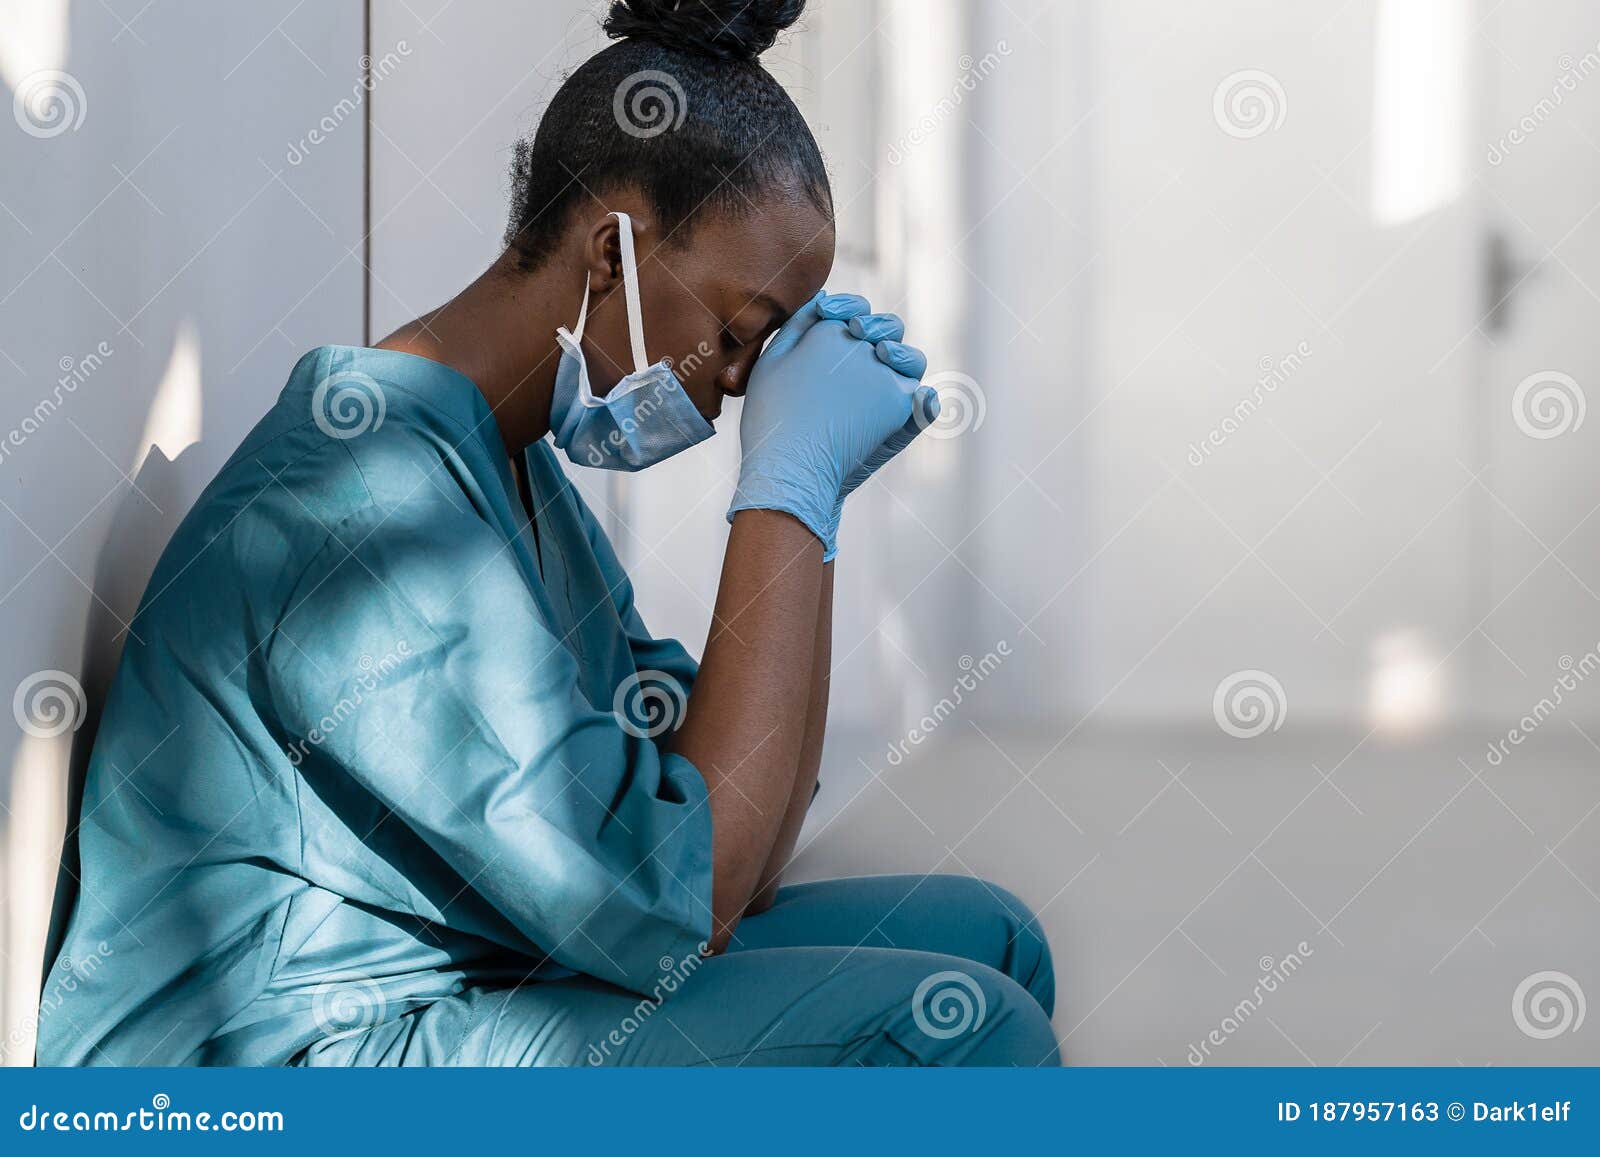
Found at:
<point>361,751</point>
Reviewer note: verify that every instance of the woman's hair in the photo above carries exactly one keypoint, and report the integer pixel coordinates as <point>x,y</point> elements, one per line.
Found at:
<point>680,109</point>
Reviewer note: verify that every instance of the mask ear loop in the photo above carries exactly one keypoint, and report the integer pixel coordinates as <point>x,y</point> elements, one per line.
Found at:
<point>630,293</point>
<point>576,332</point>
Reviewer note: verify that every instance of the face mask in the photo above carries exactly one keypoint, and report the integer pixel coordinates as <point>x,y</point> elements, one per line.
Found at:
<point>646,418</point>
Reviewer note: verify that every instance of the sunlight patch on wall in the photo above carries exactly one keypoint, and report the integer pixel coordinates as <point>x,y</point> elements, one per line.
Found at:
<point>174,420</point>
<point>1406,686</point>
<point>923,220</point>
<point>1419,107</point>
<point>35,37</point>
<point>32,847</point>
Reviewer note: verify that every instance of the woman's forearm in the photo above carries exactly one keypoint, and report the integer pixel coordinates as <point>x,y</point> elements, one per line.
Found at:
<point>805,780</point>
<point>747,720</point>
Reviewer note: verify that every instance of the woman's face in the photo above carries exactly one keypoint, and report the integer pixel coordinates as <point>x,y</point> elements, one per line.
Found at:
<point>710,303</point>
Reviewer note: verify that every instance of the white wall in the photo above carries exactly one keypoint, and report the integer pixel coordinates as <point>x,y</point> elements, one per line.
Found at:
<point>170,226</point>
<point>1220,253</point>
<point>1129,266</point>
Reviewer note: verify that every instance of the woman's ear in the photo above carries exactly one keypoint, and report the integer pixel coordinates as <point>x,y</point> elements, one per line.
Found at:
<point>602,254</point>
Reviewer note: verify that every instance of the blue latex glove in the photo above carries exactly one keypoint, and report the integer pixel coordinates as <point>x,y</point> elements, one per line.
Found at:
<point>820,404</point>
<point>885,330</point>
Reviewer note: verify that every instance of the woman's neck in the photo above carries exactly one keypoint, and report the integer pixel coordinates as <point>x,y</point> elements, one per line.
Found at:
<point>500,332</point>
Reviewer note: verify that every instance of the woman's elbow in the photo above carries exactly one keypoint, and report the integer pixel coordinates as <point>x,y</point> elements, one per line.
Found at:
<point>724,925</point>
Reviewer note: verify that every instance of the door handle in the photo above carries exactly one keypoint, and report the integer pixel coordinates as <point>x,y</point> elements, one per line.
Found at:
<point>1503,273</point>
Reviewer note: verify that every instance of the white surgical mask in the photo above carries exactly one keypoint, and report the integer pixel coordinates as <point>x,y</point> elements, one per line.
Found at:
<point>646,418</point>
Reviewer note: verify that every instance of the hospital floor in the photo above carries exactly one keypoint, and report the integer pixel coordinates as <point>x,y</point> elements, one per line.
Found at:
<point>1317,899</point>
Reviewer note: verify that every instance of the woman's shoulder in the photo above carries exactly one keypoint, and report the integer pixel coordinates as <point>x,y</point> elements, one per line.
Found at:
<point>355,440</point>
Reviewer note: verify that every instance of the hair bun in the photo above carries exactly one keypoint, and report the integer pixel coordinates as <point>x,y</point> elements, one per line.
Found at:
<point>724,29</point>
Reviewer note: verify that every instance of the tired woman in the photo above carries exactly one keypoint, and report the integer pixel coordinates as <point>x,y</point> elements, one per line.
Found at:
<point>367,789</point>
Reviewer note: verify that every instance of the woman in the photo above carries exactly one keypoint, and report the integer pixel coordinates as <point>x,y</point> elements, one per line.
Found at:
<point>367,790</point>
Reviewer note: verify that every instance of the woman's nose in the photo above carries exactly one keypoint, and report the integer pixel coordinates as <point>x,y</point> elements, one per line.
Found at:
<point>734,377</point>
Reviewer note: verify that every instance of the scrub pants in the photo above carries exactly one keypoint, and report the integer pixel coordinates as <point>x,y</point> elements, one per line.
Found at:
<point>875,970</point>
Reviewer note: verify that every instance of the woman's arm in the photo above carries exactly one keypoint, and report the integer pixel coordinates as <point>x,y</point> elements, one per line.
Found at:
<point>805,781</point>
<point>746,726</point>
<point>822,407</point>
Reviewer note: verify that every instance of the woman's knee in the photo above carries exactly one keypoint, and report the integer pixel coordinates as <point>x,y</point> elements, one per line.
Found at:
<point>1014,940</point>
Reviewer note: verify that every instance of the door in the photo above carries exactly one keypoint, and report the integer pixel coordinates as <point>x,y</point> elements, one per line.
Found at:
<point>1539,187</point>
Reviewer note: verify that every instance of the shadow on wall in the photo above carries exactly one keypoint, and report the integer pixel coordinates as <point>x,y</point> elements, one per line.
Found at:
<point>142,521</point>
<point>147,216</point>
<point>93,393</point>
<point>145,519</point>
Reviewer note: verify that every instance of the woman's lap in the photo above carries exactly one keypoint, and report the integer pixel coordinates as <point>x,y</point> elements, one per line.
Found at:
<point>877,970</point>
<point>951,915</point>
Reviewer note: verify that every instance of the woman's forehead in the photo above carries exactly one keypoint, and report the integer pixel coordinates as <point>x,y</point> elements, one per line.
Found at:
<point>765,258</point>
